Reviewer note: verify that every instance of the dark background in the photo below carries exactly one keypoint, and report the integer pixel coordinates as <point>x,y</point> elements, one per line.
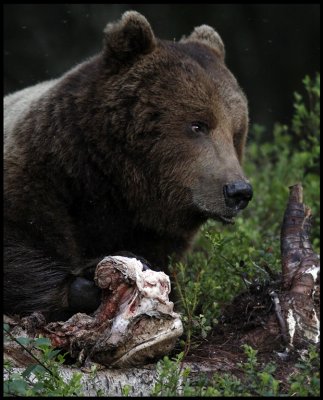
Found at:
<point>270,48</point>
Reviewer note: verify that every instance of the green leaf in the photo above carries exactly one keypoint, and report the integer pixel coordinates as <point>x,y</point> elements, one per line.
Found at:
<point>25,341</point>
<point>42,341</point>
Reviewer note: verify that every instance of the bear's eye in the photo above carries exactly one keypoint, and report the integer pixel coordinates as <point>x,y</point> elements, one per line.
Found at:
<point>199,128</point>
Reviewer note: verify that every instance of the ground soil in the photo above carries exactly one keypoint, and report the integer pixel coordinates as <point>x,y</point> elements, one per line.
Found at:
<point>249,319</point>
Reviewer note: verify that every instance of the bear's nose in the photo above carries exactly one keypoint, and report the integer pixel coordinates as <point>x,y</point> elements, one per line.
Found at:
<point>237,194</point>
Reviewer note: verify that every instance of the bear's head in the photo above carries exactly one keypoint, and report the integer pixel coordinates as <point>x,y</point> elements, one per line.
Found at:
<point>177,120</point>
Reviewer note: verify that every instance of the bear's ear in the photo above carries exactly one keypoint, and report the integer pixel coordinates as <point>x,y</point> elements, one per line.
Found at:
<point>128,38</point>
<point>206,34</point>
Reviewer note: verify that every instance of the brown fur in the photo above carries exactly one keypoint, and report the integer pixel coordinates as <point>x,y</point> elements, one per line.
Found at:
<point>106,160</point>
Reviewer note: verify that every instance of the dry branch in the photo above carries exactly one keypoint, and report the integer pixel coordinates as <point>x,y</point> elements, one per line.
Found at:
<point>300,273</point>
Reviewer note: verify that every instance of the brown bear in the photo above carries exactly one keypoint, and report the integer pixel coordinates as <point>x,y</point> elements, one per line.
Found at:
<point>131,150</point>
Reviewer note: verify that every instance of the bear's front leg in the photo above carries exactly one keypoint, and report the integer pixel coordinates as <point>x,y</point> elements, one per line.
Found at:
<point>83,295</point>
<point>36,281</point>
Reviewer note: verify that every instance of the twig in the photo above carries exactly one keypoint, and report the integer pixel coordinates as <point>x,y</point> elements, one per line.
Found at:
<point>29,352</point>
<point>280,318</point>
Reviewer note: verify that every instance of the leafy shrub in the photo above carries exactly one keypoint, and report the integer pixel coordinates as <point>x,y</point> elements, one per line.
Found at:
<point>306,382</point>
<point>257,380</point>
<point>41,378</point>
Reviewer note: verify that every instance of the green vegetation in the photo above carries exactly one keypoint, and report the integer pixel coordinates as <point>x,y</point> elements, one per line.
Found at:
<point>258,380</point>
<point>42,378</point>
<point>222,256</point>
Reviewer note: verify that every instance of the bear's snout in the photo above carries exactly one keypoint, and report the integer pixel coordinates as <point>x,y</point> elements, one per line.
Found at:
<point>237,194</point>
